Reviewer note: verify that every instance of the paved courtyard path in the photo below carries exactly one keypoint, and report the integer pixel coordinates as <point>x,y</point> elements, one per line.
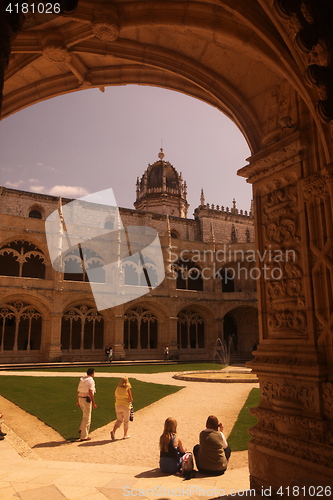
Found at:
<point>190,407</point>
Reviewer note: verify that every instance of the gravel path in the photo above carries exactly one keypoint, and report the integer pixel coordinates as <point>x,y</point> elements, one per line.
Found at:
<point>190,407</point>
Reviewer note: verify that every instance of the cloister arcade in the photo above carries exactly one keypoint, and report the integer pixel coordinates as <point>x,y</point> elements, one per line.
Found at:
<point>266,64</point>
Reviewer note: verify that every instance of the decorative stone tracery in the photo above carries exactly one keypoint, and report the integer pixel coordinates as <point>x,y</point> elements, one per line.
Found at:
<point>82,329</point>
<point>191,330</point>
<point>21,327</point>
<point>140,329</point>
<point>23,259</point>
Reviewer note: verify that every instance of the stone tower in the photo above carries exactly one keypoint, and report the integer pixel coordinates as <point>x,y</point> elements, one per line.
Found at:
<point>162,190</point>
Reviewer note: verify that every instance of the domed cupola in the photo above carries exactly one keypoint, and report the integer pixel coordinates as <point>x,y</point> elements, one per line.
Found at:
<point>162,190</point>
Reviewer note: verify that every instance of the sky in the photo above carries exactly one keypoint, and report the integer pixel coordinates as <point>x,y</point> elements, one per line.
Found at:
<point>86,141</point>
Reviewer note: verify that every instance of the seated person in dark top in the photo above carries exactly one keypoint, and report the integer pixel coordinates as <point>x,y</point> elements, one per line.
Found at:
<point>213,452</point>
<point>171,448</point>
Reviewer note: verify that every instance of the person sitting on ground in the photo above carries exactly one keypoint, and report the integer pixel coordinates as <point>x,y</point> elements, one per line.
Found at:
<point>2,434</point>
<point>171,448</point>
<point>213,452</point>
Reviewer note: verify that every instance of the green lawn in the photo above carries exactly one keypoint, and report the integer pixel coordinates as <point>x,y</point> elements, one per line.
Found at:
<point>239,437</point>
<point>181,367</point>
<point>52,399</point>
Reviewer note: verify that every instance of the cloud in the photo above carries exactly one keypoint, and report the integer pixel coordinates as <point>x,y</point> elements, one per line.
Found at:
<point>14,185</point>
<point>45,166</point>
<point>37,189</point>
<point>68,191</point>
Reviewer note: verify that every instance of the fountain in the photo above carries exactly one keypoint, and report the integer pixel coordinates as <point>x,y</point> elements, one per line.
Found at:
<point>221,351</point>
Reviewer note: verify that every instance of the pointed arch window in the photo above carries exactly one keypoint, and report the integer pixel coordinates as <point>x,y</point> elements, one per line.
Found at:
<point>20,327</point>
<point>190,330</point>
<point>189,276</point>
<point>227,280</point>
<point>36,211</point>
<point>35,214</point>
<point>233,234</point>
<point>82,329</point>
<point>140,329</point>
<point>23,259</point>
<point>77,261</point>
<point>137,273</point>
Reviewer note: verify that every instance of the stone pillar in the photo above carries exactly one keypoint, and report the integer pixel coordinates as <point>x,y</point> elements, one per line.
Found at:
<point>53,351</point>
<point>172,337</point>
<point>118,338</point>
<point>293,437</point>
<point>220,328</point>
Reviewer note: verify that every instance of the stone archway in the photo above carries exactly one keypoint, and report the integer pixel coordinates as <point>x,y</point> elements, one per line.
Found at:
<point>240,326</point>
<point>248,60</point>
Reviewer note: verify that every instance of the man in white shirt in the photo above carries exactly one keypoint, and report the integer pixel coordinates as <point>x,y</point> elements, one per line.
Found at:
<point>86,401</point>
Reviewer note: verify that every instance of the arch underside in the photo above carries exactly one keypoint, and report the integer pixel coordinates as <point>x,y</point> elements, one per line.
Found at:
<point>233,59</point>
<point>242,57</point>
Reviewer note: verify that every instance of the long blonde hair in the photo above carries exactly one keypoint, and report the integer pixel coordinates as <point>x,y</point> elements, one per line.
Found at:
<point>170,430</point>
<point>124,382</point>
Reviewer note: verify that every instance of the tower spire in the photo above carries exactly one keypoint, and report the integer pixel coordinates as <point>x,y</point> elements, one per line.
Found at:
<point>202,198</point>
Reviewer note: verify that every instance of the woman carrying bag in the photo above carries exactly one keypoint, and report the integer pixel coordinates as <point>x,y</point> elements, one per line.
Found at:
<point>123,396</point>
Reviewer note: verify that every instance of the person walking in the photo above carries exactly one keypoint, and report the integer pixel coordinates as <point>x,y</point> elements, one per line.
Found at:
<point>86,401</point>
<point>110,354</point>
<point>124,398</point>
<point>166,353</point>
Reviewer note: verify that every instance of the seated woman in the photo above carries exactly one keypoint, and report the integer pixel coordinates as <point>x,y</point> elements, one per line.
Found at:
<point>213,452</point>
<point>171,448</point>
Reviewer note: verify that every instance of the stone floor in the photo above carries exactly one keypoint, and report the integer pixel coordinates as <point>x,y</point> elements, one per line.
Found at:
<point>23,475</point>
<point>31,479</point>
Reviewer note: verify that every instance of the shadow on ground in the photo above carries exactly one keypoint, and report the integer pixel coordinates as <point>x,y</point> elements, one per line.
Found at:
<point>51,444</point>
<point>95,443</point>
<point>152,473</point>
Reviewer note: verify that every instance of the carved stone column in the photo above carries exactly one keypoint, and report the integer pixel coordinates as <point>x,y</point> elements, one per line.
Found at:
<point>118,338</point>
<point>220,329</point>
<point>172,326</point>
<point>53,350</point>
<point>293,436</point>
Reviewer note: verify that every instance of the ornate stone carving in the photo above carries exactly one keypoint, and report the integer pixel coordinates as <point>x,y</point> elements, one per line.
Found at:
<point>281,203</point>
<point>303,396</point>
<point>282,233</point>
<point>280,122</point>
<point>56,52</point>
<point>105,30</point>
<point>275,158</point>
<point>311,429</point>
<point>309,451</point>
<point>283,283</point>
<point>315,186</point>
<point>290,321</point>
<point>328,399</point>
<point>271,363</point>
